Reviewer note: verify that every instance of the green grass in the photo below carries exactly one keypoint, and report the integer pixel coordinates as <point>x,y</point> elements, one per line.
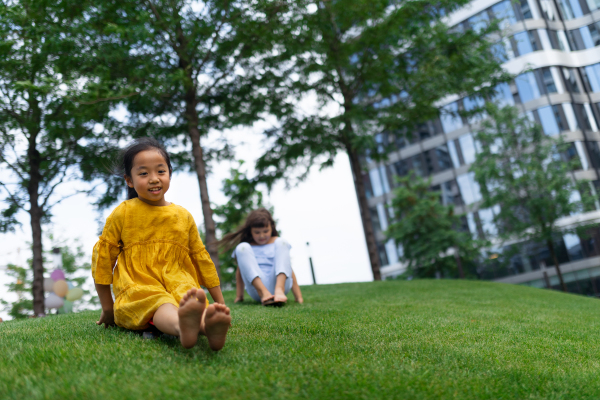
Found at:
<point>404,340</point>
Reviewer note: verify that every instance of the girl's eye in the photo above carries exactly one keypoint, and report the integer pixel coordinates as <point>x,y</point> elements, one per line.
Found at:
<point>143,173</point>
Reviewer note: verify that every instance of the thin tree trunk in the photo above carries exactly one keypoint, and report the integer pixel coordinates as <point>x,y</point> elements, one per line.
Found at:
<point>35,213</point>
<point>200,167</point>
<point>363,205</point>
<point>461,273</point>
<point>556,264</point>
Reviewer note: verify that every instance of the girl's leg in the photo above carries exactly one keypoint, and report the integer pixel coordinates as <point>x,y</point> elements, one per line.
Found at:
<point>252,275</point>
<point>283,270</point>
<point>184,321</point>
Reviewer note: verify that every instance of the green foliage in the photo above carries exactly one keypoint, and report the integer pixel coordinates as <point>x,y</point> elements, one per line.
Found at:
<point>23,306</point>
<point>424,339</point>
<point>429,232</point>
<point>525,172</point>
<point>377,66</point>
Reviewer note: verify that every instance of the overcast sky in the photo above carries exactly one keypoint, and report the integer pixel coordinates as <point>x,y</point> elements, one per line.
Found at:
<point>323,210</point>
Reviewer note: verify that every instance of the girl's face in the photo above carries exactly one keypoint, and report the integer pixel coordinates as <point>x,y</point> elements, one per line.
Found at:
<point>150,177</point>
<point>261,235</point>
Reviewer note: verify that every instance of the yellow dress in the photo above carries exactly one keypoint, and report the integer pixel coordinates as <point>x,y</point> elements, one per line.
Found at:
<point>159,256</point>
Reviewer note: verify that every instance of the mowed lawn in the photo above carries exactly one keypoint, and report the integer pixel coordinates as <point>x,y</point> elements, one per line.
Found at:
<point>396,339</point>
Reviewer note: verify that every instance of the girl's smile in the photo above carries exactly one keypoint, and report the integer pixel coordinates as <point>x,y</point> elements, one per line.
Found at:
<point>150,177</point>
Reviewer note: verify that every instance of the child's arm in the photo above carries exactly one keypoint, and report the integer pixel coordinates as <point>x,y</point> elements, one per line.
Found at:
<point>106,301</point>
<point>296,289</point>
<point>239,286</point>
<point>216,294</point>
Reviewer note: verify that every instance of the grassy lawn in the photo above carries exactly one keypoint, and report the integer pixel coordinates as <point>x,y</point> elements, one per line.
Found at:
<point>404,340</point>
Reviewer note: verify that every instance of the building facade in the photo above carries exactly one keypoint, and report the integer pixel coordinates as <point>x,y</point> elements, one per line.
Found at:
<point>558,43</point>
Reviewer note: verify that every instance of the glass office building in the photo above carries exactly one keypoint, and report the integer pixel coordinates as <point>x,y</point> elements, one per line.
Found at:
<point>558,43</point>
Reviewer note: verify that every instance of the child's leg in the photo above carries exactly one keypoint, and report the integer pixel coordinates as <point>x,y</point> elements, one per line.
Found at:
<point>283,270</point>
<point>251,273</point>
<point>296,289</point>
<point>239,286</point>
<point>183,321</point>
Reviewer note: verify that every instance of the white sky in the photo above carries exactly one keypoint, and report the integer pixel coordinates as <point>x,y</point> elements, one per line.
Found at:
<point>323,210</point>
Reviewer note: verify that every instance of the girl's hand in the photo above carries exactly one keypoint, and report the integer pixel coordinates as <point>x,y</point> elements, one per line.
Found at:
<point>107,318</point>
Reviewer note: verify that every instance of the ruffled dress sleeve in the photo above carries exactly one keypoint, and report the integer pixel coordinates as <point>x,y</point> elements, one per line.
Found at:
<point>107,249</point>
<point>205,268</point>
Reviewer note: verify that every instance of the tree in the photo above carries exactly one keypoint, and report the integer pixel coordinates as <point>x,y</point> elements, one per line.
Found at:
<point>192,68</point>
<point>46,113</point>
<point>522,171</point>
<point>381,66</point>
<point>429,232</point>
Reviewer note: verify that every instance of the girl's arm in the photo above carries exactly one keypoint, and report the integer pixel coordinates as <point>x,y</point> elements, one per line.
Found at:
<point>216,294</point>
<point>239,286</point>
<point>296,289</point>
<point>106,301</point>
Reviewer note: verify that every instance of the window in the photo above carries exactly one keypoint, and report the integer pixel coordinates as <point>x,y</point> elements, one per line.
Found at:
<point>548,121</point>
<point>504,11</point>
<point>499,52</point>
<point>392,251</point>
<point>571,80</point>
<point>379,181</point>
<point>479,22</point>
<point>524,43</point>
<point>383,222</point>
<point>570,9</point>
<point>591,76</point>
<point>525,9</point>
<point>486,216</point>
<point>593,4</point>
<point>548,80</point>
<point>467,147</point>
<point>527,86</point>
<point>400,168</point>
<point>453,154</point>
<point>548,9</point>
<point>469,188</point>
<point>573,245</point>
<point>449,117</point>
<point>503,95</point>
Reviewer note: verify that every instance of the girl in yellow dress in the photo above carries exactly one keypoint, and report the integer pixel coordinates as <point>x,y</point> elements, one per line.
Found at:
<point>160,259</point>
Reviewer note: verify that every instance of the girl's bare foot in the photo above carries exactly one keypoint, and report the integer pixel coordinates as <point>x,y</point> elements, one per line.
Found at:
<point>238,299</point>
<point>190,312</point>
<point>216,323</point>
<point>280,296</point>
<point>268,298</point>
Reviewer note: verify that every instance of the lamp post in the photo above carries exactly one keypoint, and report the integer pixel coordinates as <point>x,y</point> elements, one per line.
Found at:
<point>312,269</point>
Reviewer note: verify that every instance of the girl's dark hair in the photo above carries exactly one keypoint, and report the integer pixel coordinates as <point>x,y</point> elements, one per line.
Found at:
<point>128,155</point>
<point>259,218</point>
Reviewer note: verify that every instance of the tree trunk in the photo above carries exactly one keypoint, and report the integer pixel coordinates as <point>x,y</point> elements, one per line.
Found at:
<point>461,273</point>
<point>200,167</point>
<point>556,264</point>
<point>363,205</point>
<point>35,213</point>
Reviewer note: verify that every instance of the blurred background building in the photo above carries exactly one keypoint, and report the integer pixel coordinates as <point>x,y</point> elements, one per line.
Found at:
<point>556,41</point>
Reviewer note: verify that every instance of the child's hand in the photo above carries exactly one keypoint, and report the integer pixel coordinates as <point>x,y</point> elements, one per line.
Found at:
<point>107,318</point>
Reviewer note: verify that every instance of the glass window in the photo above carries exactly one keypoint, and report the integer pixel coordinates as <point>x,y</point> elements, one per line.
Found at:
<point>504,11</point>
<point>548,9</point>
<point>453,154</point>
<point>450,193</point>
<point>527,86</point>
<point>589,117</point>
<point>418,166</point>
<point>467,147</point>
<point>400,168</point>
<point>449,117</point>
<point>544,39</point>
<point>376,182</point>
<point>586,37</point>
<point>548,121</point>
<point>571,80</point>
<point>384,179</point>
<point>593,4</point>
<point>503,95</point>
<point>573,245</point>
<point>548,80</point>
<point>523,43</point>
<point>595,34</point>
<point>479,22</point>
<point>525,9</point>
<point>469,188</point>
<point>570,9</point>
<point>581,154</point>
<point>499,52</point>
<point>383,222</point>
<point>392,251</point>
<point>591,75</point>
<point>472,225</point>
<point>442,155</point>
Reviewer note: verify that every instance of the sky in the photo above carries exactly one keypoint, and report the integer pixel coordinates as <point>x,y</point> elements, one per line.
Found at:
<point>322,210</point>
